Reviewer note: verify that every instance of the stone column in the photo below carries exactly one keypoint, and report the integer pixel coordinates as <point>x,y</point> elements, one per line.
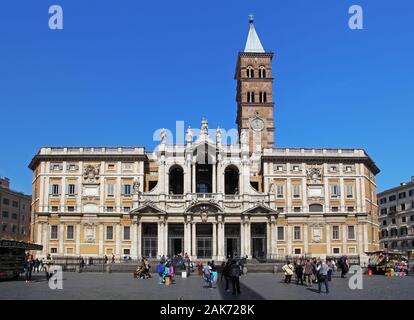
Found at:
<point>214,189</point>
<point>328,239</point>
<point>63,195</point>
<point>193,241</point>
<point>289,195</point>
<point>273,230</point>
<point>139,239</point>
<point>61,239</point>
<point>193,178</point>
<point>247,241</point>
<point>242,239</point>
<point>39,233</point>
<point>363,195</point>
<point>187,238</point>
<point>220,236</point>
<point>118,240</point>
<point>214,241</point>
<point>78,238</point>
<point>360,239</point>
<point>326,189</point>
<point>289,240</point>
<point>305,238</point>
<point>160,233</point>
<point>344,239</point>
<point>134,241</point>
<point>304,194</point>
<point>101,239</point>
<point>358,194</point>
<point>365,237</point>
<point>45,237</point>
<point>166,238</point>
<point>342,188</point>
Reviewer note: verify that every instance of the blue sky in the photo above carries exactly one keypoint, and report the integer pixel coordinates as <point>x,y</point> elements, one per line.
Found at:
<point>119,70</point>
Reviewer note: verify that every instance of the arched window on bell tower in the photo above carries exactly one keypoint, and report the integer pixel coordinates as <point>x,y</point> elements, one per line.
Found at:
<point>250,97</point>
<point>262,72</point>
<point>250,72</point>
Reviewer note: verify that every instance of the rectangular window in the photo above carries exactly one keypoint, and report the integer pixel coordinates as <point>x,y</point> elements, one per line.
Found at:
<point>279,168</point>
<point>110,188</point>
<point>404,219</point>
<point>384,211</point>
<point>393,221</point>
<point>296,168</point>
<point>111,166</point>
<point>298,251</point>
<point>127,166</point>
<point>411,218</point>
<point>296,191</point>
<point>55,208</point>
<point>392,198</point>
<point>14,229</point>
<point>127,252</point>
<point>281,233</point>
<point>71,209</point>
<point>349,191</point>
<point>403,207</point>
<point>402,195</point>
<point>384,223</point>
<point>297,235</point>
<point>127,209</point>
<point>393,209</point>
<point>336,251</point>
<point>53,250</point>
<point>71,189</point>
<point>296,209</point>
<point>350,209</point>
<point>383,200</point>
<point>56,167</point>
<point>351,232</point>
<point>15,204</point>
<point>5,214</point>
<point>4,227</point>
<point>109,233</point>
<point>53,232</point>
<point>333,169</point>
<point>126,190</point>
<point>335,233</point>
<point>14,216</point>
<point>6,201</point>
<point>335,191</point>
<point>109,209</point>
<point>411,193</point>
<point>280,209</point>
<point>72,167</point>
<point>279,191</point>
<point>126,233</point>
<point>55,189</point>
<point>69,232</point>
<point>335,209</point>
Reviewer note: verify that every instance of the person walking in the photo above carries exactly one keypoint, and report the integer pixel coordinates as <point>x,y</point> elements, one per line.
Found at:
<point>308,270</point>
<point>331,269</point>
<point>288,269</point>
<point>113,258</point>
<point>235,275</point>
<point>49,262</point>
<point>207,275</point>
<point>323,276</point>
<point>226,275</point>
<point>160,271</point>
<point>299,273</point>
<point>343,264</point>
<point>28,267</point>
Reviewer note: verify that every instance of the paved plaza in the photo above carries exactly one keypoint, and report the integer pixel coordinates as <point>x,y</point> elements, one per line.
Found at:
<point>253,287</point>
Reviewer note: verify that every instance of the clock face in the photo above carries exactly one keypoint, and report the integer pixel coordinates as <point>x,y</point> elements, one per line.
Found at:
<point>257,124</point>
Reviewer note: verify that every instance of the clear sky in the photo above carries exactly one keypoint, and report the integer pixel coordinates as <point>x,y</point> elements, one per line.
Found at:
<point>119,70</point>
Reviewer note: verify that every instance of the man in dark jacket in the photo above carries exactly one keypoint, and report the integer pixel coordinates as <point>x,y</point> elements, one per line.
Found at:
<point>235,274</point>
<point>226,274</point>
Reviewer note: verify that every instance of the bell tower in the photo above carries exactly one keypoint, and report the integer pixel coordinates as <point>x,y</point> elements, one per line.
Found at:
<point>254,92</point>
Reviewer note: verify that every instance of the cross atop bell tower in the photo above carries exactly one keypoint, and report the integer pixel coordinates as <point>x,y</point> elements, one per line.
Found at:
<point>254,92</point>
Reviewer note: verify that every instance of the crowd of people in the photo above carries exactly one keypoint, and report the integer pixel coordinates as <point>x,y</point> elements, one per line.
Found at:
<point>32,265</point>
<point>315,270</point>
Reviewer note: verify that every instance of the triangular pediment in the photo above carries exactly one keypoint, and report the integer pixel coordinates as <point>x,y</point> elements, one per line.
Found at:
<point>147,208</point>
<point>260,209</point>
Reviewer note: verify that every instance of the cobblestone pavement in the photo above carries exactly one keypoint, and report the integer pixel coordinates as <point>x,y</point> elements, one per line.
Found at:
<point>253,286</point>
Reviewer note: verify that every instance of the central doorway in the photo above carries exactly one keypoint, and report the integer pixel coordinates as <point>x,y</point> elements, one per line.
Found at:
<point>204,234</point>
<point>258,242</point>
<point>175,239</point>
<point>232,240</point>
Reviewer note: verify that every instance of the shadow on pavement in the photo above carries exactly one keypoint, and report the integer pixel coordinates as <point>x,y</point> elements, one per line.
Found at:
<point>246,293</point>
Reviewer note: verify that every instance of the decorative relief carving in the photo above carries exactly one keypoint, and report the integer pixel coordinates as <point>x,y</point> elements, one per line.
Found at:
<point>314,175</point>
<point>89,232</point>
<point>91,173</point>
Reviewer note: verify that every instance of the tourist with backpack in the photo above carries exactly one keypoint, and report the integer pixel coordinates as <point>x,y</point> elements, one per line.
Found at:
<point>235,274</point>
<point>323,276</point>
<point>160,270</point>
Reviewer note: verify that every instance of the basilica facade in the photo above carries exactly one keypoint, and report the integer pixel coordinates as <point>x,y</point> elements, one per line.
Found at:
<point>205,197</point>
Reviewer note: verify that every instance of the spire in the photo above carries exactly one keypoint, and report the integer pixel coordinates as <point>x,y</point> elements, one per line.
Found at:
<point>253,43</point>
